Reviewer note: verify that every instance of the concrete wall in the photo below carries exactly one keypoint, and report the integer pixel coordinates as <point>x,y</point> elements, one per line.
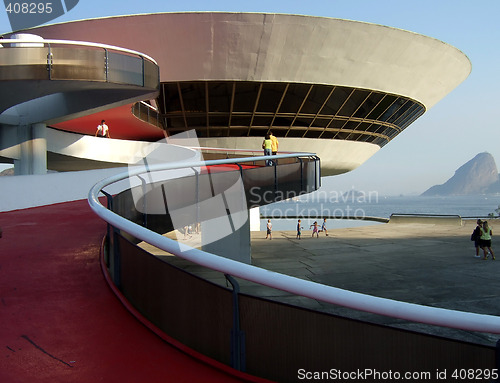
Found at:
<point>337,156</point>
<point>111,150</point>
<point>277,47</point>
<point>21,192</point>
<point>426,219</point>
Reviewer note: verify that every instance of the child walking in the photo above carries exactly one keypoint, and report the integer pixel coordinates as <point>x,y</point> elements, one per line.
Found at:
<point>299,228</point>
<point>315,229</point>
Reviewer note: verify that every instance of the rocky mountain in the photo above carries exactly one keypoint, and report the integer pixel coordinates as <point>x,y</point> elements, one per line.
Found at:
<point>478,176</point>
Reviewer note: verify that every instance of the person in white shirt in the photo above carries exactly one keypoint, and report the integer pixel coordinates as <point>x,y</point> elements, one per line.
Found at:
<point>269,229</point>
<point>102,130</point>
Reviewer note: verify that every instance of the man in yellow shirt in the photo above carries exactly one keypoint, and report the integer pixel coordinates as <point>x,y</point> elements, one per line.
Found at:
<point>267,146</point>
<point>274,146</point>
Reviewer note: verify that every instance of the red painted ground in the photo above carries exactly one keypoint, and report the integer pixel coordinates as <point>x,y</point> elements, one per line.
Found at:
<point>121,122</point>
<point>60,322</point>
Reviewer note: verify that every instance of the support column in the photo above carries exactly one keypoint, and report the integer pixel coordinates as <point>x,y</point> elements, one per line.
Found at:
<point>39,148</point>
<point>254,214</point>
<point>33,150</point>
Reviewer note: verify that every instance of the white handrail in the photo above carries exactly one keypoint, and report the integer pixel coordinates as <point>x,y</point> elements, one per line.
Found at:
<point>79,43</point>
<point>376,305</point>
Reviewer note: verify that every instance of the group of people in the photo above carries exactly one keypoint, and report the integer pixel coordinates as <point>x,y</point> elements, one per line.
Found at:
<point>482,239</point>
<point>315,229</point>
<point>270,146</point>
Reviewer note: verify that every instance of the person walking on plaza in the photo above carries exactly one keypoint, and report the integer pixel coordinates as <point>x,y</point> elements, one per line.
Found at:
<point>267,146</point>
<point>486,234</point>
<point>323,227</point>
<point>299,230</point>
<point>102,130</point>
<point>315,229</point>
<point>275,143</point>
<point>476,237</point>
<point>269,229</point>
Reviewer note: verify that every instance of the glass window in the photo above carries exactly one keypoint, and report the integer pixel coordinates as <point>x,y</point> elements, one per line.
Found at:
<point>363,126</point>
<point>412,114</point>
<point>219,120</point>
<point>337,123</point>
<point>403,106</point>
<point>258,131</point>
<point>169,98</point>
<point>215,132</point>
<point>351,105</point>
<point>382,107</point>
<point>270,97</point>
<point>368,105</point>
<point>293,98</point>
<point>327,134</point>
<point>305,110</point>
<point>313,133</point>
<point>302,121</point>
<point>372,128</point>
<point>176,122</point>
<point>237,132</point>
<point>295,132</point>
<point>262,121</point>
<point>336,101</point>
<point>342,135</point>
<point>317,97</point>
<point>245,96</point>
<point>321,122</point>
<point>193,96</point>
<point>219,96</point>
<point>390,113</point>
<point>241,120</point>
<point>196,122</point>
<point>350,126</point>
<point>283,121</point>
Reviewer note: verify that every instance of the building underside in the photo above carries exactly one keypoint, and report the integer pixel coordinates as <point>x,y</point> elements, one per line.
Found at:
<point>339,88</point>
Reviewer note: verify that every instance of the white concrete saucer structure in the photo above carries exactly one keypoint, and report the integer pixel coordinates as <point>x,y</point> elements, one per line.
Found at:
<point>342,89</point>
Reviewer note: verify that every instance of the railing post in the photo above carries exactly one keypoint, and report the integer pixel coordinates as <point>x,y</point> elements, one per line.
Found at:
<point>50,61</point>
<point>107,247</point>
<point>238,355</point>
<point>317,172</point>
<point>275,178</point>
<point>106,64</point>
<point>144,202</point>
<point>113,249</point>
<point>143,75</point>
<point>301,174</point>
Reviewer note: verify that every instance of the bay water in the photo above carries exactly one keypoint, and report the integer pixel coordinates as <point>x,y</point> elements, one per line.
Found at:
<point>362,206</point>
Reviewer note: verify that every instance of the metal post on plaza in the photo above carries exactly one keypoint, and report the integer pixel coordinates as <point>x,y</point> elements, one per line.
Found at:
<point>238,356</point>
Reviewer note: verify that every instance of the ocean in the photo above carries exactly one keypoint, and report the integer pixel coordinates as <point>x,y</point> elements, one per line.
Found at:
<point>364,206</point>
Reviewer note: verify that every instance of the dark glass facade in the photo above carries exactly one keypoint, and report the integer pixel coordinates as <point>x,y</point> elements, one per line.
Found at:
<point>241,109</point>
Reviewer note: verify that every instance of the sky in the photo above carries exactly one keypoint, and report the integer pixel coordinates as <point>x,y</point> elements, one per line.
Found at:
<point>460,126</point>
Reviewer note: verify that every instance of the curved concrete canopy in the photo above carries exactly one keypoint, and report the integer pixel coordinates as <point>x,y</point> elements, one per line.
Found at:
<point>282,48</point>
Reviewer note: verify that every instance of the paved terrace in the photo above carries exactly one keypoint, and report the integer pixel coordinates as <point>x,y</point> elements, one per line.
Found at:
<point>429,264</point>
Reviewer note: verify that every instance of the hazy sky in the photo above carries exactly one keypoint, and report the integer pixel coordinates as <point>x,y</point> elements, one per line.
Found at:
<point>451,133</point>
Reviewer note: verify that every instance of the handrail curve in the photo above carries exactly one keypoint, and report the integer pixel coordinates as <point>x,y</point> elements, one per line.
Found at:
<point>75,42</point>
<point>329,294</point>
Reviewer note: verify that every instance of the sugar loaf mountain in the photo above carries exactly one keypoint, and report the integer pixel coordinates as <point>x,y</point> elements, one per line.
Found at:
<point>478,176</point>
